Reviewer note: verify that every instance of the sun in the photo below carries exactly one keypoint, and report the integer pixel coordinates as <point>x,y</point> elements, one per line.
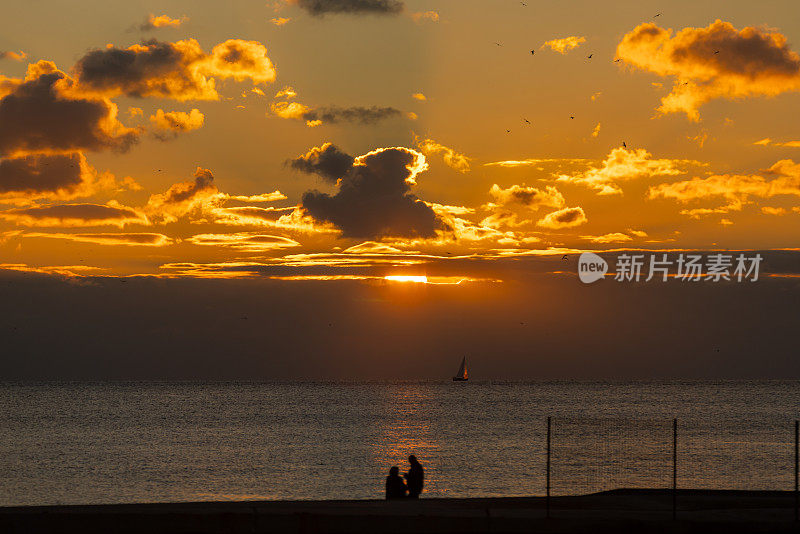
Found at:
<point>403,278</point>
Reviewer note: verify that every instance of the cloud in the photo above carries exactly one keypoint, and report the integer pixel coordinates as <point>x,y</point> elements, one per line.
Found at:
<point>328,161</point>
<point>372,247</point>
<point>452,159</point>
<point>735,190</point>
<point>419,96</point>
<point>615,237</point>
<point>375,200</point>
<point>44,113</point>
<point>596,130</point>
<point>357,114</point>
<point>565,44</point>
<point>250,241</point>
<point>532,162</point>
<point>161,21</point>
<point>184,197</point>
<point>16,56</point>
<point>125,239</point>
<point>286,92</point>
<point>529,197</point>
<point>71,215</point>
<point>264,197</point>
<point>51,177</point>
<point>280,21</point>
<point>425,16</point>
<point>769,142</point>
<point>624,165</point>
<point>320,8</point>
<point>179,70</point>
<point>178,121</point>
<point>565,218</point>
<point>717,61</point>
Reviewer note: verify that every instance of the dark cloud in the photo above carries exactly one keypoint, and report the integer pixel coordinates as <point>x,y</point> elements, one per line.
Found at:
<point>375,199</point>
<point>74,215</point>
<point>38,175</point>
<point>326,160</point>
<point>44,113</point>
<point>363,115</point>
<point>179,70</point>
<point>319,8</point>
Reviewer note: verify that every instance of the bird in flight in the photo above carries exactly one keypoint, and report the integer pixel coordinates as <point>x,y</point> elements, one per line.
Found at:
<point>657,15</point>
<point>716,51</point>
<point>508,131</point>
<point>590,56</point>
<point>617,60</point>
<point>533,52</point>
<point>526,120</point>
<point>572,116</point>
<point>564,257</point>
<point>624,145</point>
<point>524,4</point>
<point>498,44</point>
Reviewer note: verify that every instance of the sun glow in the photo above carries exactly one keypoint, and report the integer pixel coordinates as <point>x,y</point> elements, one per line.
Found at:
<point>414,279</point>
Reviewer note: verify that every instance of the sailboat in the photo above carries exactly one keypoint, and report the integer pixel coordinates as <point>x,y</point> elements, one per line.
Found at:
<point>462,375</point>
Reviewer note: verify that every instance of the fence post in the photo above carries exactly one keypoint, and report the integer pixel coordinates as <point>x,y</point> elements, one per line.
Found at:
<point>547,480</point>
<point>674,468</point>
<point>796,461</point>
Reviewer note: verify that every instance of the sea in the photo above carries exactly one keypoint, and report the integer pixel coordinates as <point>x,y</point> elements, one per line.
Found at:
<point>133,442</point>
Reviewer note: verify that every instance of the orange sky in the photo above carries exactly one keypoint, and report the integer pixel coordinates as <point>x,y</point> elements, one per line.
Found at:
<point>135,138</point>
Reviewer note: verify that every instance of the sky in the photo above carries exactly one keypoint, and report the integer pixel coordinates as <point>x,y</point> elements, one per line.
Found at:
<point>375,188</point>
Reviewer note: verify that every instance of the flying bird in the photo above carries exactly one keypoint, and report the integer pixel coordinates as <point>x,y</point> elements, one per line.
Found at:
<point>716,51</point>
<point>657,15</point>
<point>564,257</point>
<point>498,44</point>
<point>508,131</point>
<point>526,120</point>
<point>624,145</point>
<point>533,52</point>
<point>590,55</point>
<point>572,116</point>
<point>617,60</point>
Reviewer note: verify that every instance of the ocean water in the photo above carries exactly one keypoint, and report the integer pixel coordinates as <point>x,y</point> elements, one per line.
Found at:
<point>156,442</point>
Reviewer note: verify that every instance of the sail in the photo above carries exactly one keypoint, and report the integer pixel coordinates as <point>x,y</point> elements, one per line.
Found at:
<point>462,371</point>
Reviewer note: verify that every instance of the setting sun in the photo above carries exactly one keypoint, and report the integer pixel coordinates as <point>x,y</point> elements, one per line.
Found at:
<point>414,279</point>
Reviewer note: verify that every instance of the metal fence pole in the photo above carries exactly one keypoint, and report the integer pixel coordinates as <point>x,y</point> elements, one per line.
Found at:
<point>796,472</point>
<point>674,468</point>
<point>547,480</point>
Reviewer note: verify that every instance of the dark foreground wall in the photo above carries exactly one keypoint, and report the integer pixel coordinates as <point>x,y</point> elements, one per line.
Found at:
<point>620,511</point>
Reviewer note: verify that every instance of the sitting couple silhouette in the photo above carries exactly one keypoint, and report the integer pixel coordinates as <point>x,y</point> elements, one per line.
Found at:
<point>411,487</point>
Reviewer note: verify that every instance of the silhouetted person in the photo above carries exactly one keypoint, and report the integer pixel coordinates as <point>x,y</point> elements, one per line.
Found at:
<point>415,478</point>
<point>395,486</point>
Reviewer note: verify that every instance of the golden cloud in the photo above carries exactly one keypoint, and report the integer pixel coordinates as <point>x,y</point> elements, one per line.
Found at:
<point>735,190</point>
<point>565,218</point>
<point>565,44</point>
<point>250,241</point>
<point>178,121</point>
<point>15,56</point>
<point>161,21</point>
<point>452,159</point>
<point>622,165</point>
<point>717,61</point>
<point>179,70</point>
<point>184,197</point>
<point>124,239</point>
<point>530,197</point>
